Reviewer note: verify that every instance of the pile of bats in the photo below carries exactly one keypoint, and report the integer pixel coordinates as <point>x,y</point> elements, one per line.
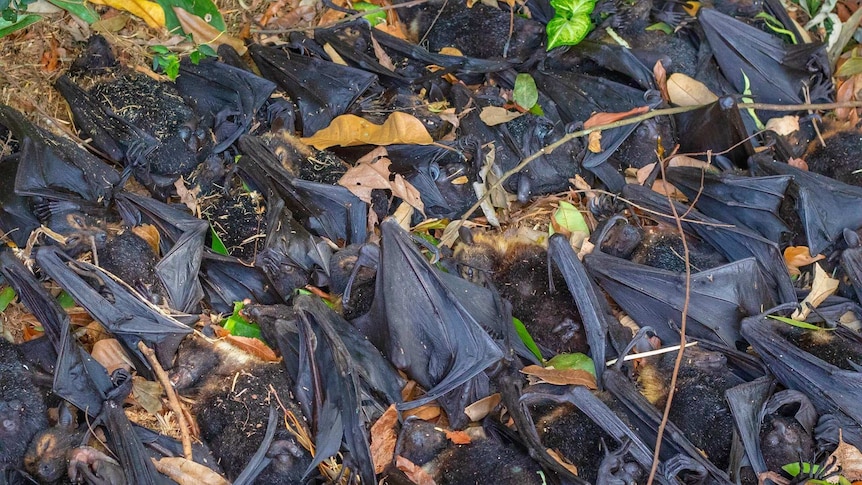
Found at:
<point>754,395</point>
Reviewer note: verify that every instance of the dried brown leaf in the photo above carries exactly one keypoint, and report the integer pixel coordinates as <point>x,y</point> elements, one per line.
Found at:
<point>481,408</point>
<point>822,287</point>
<point>561,377</point>
<point>784,125</point>
<point>848,459</point>
<point>187,472</point>
<point>604,118</point>
<point>495,115</point>
<point>254,347</point>
<point>383,439</point>
<point>351,130</point>
<point>381,55</point>
<point>686,91</point>
<point>333,54</point>
<point>458,437</point>
<point>414,472</point>
<point>556,456</point>
<point>111,355</point>
<point>148,394</point>
<point>797,256</point>
<point>204,33</point>
<point>660,74</point>
<point>595,142</point>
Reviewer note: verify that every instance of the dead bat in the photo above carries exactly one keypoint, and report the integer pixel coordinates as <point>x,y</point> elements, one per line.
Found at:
<point>235,398</point>
<point>227,280</point>
<point>832,387</point>
<point>442,342</point>
<point>825,207</point>
<point>771,70</point>
<point>735,243</point>
<point>181,242</point>
<point>752,202</point>
<point>22,407</point>
<point>720,297</point>
<point>326,210</point>
<point>601,57</point>
<point>320,89</point>
<point>696,132</point>
<point>336,372</point>
<point>17,220</point>
<point>56,167</point>
<point>229,95</point>
<point>125,315</point>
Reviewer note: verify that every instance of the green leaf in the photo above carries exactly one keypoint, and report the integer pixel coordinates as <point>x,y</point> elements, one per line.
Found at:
<point>77,8</point>
<point>746,99</point>
<point>239,326</point>
<point>572,8</point>
<point>577,361</point>
<point>20,22</point>
<point>204,9</point>
<point>537,110</point>
<point>562,31</point>
<point>217,244</point>
<point>6,297</point>
<point>797,323</point>
<point>65,300</point>
<point>851,67</point>
<point>4,4</point>
<point>569,218</point>
<point>207,50</point>
<point>525,94</point>
<point>160,49</point>
<point>775,25</point>
<point>667,29</point>
<point>375,18</point>
<point>527,338</point>
<point>794,469</point>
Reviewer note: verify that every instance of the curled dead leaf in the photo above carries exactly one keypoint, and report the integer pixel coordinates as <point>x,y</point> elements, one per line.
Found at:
<point>414,472</point>
<point>111,355</point>
<point>495,115</point>
<point>848,459</point>
<point>822,287</point>
<point>604,118</point>
<point>784,125</point>
<point>797,256</point>
<point>187,472</point>
<point>457,437</point>
<point>595,142</point>
<point>481,408</point>
<point>351,130</point>
<point>254,347</point>
<point>660,74</point>
<point>383,439</point>
<point>561,377</point>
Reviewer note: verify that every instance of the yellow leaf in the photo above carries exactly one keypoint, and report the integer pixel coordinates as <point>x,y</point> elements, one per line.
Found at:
<point>150,12</point>
<point>687,91</point>
<point>204,33</point>
<point>797,256</point>
<point>351,130</point>
<point>823,286</point>
<point>595,144</point>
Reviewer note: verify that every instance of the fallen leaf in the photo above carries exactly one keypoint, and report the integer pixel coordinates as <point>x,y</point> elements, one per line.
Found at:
<point>414,472</point>
<point>685,161</point>
<point>848,459</point>
<point>798,163</point>
<point>333,54</point>
<point>686,91</point>
<point>458,437</point>
<point>451,51</point>
<point>148,394</point>
<point>822,287</point>
<point>187,472</point>
<point>372,172</point>
<point>150,234</point>
<point>254,347</point>
<point>784,125</point>
<point>495,115</point>
<point>351,130</point>
<point>797,256</point>
<point>561,377</point>
<point>149,12</point>
<point>403,214</point>
<point>110,24</point>
<point>660,74</point>
<point>595,142</point>
<point>111,355</point>
<point>204,33</point>
<point>483,407</point>
<point>604,118</point>
<point>383,439</point>
<point>381,55</point>
<point>556,456</point>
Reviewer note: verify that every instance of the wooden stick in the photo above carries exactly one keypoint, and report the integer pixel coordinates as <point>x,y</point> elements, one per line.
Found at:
<point>173,401</point>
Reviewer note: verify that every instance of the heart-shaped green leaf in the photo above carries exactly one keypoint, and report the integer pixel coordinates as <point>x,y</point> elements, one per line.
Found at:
<point>563,31</point>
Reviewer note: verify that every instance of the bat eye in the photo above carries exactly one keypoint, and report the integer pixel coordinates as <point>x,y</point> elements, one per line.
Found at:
<point>434,170</point>
<point>184,132</point>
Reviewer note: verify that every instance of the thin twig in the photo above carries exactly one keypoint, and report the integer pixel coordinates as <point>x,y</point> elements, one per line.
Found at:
<point>682,343</point>
<point>340,21</point>
<point>637,119</point>
<point>173,401</point>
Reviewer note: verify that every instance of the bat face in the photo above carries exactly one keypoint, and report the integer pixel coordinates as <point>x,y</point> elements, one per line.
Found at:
<point>131,259</point>
<point>838,159</point>
<point>22,409</point>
